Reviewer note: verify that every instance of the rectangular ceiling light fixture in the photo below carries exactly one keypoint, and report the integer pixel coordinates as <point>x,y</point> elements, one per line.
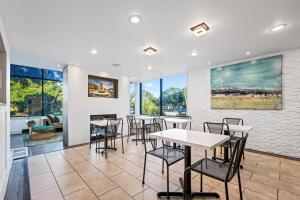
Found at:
<point>150,51</point>
<point>200,29</point>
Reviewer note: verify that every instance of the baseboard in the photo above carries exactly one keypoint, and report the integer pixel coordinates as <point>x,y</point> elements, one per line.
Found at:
<point>5,178</point>
<point>273,154</point>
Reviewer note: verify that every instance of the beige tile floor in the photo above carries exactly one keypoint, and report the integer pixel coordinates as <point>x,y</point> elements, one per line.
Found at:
<point>81,173</point>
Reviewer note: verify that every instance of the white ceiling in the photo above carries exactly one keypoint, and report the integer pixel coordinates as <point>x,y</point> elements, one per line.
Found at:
<point>48,33</point>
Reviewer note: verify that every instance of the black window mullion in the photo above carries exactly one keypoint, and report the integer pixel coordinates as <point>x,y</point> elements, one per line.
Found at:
<point>160,97</point>
<point>141,98</point>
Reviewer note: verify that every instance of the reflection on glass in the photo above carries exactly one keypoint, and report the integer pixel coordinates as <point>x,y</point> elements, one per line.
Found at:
<point>174,95</point>
<point>150,97</point>
<point>132,98</point>
<point>25,96</point>
<point>52,97</point>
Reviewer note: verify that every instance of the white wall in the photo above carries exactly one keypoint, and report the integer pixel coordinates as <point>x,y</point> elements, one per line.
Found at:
<point>275,131</point>
<point>5,155</point>
<point>78,106</point>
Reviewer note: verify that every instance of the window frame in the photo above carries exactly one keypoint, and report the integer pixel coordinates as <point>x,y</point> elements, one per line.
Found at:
<point>42,80</point>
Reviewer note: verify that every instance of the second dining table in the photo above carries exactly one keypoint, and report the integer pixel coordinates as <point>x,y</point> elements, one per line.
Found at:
<point>190,139</point>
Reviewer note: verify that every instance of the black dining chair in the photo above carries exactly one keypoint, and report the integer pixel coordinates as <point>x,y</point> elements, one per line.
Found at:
<point>185,125</point>
<point>235,121</point>
<point>133,128</point>
<point>114,128</point>
<point>162,122</point>
<point>221,171</point>
<point>169,155</point>
<point>218,128</point>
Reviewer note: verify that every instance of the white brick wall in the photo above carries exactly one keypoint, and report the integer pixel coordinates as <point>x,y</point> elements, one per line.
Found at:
<point>275,131</point>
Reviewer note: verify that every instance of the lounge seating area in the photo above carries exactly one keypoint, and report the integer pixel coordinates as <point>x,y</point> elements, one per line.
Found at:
<point>150,100</point>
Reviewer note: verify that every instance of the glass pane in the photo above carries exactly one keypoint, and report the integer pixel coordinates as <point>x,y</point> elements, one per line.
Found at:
<point>53,97</point>
<point>53,75</point>
<point>132,98</point>
<point>25,96</point>
<point>18,70</point>
<point>174,95</point>
<point>150,97</point>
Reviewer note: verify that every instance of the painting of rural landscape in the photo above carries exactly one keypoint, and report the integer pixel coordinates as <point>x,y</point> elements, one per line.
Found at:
<point>255,84</point>
<point>103,87</point>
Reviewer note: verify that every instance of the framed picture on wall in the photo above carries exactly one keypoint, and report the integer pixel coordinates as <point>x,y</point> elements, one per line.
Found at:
<point>254,84</point>
<point>102,87</point>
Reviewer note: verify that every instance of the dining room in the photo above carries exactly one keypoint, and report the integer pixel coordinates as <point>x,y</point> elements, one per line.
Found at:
<point>156,100</point>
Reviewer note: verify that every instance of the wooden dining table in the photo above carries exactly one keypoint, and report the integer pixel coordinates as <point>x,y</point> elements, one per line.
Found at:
<point>190,139</point>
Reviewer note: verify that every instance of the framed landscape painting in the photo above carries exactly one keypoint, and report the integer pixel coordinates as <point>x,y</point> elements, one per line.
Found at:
<point>255,84</point>
<point>102,87</point>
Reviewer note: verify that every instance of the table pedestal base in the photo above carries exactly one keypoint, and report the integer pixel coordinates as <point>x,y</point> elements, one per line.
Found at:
<point>192,195</point>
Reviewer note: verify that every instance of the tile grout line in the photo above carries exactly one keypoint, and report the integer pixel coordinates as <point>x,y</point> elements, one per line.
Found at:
<point>54,176</point>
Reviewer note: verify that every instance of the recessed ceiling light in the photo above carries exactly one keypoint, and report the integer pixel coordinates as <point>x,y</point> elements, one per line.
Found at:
<point>248,53</point>
<point>150,51</point>
<point>194,53</point>
<point>200,29</point>
<point>149,67</point>
<point>135,19</point>
<point>209,62</point>
<point>94,51</point>
<point>277,27</point>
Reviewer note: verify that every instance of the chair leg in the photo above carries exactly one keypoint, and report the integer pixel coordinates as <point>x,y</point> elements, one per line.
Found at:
<point>240,186</point>
<point>122,144</point>
<point>128,134</point>
<point>144,168</point>
<point>226,191</point>
<point>214,156</point>
<point>162,167</point>
<point>136,137</point>
<point>168,197</point>
<point>201,182</point>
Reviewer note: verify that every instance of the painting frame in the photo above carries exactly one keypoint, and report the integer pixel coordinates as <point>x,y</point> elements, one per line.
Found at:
<point>102,87</point>
<point>250,85</point>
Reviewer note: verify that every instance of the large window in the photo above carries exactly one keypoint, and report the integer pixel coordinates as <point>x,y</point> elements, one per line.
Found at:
<point>150,97</point>
<point>166,96</point>
<point>174,95</point>
<point>132,98</point>
<point>35,92</point>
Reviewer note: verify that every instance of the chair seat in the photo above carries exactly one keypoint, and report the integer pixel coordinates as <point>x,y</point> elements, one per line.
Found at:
<point>169,154</point>
<point>213,168</point>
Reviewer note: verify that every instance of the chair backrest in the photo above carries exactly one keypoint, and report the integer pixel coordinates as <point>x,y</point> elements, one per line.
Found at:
<point>236,157</point>
<point>131,121</point>
<point>114,125</point>
<point>217,128</point>
<point>185,125</point>
<point>150,128</point>
<point>233,121</point>
<point>162,122</point>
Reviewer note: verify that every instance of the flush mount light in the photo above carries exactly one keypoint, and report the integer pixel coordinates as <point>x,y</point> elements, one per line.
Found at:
<point>135,19</point>
<point>248,53</point>
<point>116,65</point>
<point>150,51</point>
<point>278,27</point>
<point>149,67</point>
<point>194,53</point>
<point>200,29</point>
<point>94,51</point>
